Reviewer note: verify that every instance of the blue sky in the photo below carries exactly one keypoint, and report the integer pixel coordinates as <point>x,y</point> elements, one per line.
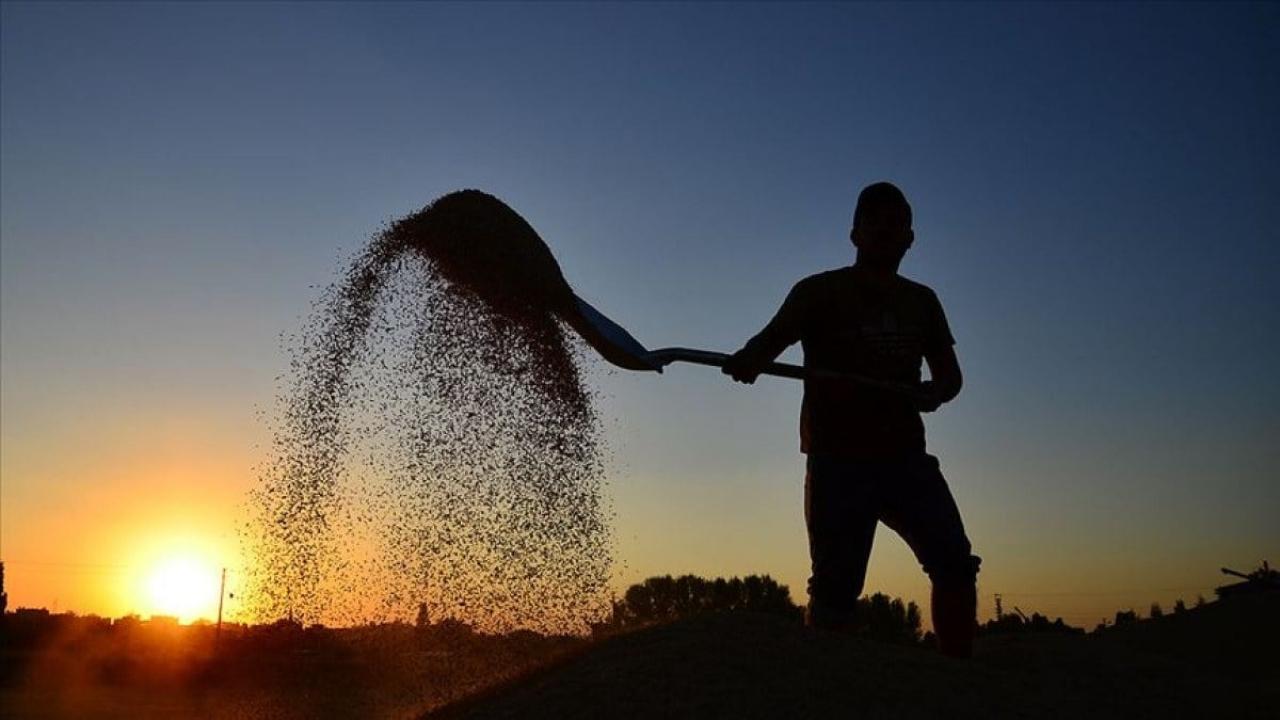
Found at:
<point>1095,198</point>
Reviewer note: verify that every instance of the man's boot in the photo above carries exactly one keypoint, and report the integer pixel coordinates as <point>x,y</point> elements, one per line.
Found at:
<point>955,619</point>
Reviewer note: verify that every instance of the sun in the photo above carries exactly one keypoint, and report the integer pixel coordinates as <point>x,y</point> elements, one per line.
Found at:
<point>184,586</point>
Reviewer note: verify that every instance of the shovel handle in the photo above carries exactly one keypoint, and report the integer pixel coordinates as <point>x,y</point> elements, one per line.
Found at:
<point>666,356</point>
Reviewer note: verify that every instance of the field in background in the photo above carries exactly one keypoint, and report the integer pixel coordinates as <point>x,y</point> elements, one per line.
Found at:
<point>1210,661</point>
<point>90,668</point>
<point>1215,661</point>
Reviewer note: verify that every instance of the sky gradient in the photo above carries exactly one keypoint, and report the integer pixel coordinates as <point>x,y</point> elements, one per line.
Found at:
<point>1095,191</point>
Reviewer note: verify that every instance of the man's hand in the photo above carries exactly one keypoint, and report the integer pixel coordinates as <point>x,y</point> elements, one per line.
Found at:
<point>945,379</point>
<point>927,398</point>
<point>742,367</point>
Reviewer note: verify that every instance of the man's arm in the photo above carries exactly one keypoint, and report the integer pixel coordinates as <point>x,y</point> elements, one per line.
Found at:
<point>781,332</point>
<point>944,381</point>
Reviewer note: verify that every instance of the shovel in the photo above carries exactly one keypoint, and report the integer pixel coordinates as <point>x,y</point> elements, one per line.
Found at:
<point>620,348</point>
<point>479,243</point>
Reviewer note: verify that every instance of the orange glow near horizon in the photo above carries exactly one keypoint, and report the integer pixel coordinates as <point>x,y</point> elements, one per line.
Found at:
<point>184,586</point>
<point>175,575</point>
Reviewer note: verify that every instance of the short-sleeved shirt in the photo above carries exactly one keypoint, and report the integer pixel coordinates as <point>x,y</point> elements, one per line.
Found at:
<point>849,322</point>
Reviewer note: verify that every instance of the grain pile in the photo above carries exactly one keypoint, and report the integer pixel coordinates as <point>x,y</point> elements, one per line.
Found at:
<point>436,442</point>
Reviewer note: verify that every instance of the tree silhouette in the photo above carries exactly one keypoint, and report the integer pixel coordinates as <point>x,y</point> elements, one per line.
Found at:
<point>666,598</point>
<point>889,619</point>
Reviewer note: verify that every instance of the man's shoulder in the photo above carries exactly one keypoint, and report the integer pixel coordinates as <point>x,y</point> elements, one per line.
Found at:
<point>916,288</point>
<point>825,280</point>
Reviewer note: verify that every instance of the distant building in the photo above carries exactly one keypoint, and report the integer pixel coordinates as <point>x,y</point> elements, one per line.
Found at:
<point>1264,579</point>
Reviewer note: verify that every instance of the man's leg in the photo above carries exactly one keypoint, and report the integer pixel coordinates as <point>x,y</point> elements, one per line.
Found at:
<point>920,508</point>
<point>840,514</point>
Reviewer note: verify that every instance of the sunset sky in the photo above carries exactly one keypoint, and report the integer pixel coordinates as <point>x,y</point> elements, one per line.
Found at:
<point>1096,192</point>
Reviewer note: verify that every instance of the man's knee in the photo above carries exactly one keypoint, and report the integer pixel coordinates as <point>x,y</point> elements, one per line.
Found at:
<point>959,571</point>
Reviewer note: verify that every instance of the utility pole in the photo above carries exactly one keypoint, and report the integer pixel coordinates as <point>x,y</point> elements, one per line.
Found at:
<point>999,607</point>
<point>222,591</point>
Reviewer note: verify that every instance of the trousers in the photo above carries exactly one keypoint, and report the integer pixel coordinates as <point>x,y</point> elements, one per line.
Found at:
<point>845,498</point>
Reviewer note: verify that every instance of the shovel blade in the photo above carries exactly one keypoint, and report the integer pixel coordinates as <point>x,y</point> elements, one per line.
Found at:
<point>608,338</point>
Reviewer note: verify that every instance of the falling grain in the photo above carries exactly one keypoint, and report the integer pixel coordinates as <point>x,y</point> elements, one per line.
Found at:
<point>436,442</point>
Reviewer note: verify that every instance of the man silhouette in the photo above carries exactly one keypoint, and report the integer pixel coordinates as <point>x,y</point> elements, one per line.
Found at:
<point>865,444</point>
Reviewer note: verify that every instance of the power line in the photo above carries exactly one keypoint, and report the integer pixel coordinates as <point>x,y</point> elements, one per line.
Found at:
<point>1107,593</point>
<point>43,563</point>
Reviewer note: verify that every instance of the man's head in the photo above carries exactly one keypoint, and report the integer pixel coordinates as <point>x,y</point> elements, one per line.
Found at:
<point>882,226</point>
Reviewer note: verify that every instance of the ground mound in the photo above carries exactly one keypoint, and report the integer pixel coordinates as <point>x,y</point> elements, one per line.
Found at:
<point>1219,660</point>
